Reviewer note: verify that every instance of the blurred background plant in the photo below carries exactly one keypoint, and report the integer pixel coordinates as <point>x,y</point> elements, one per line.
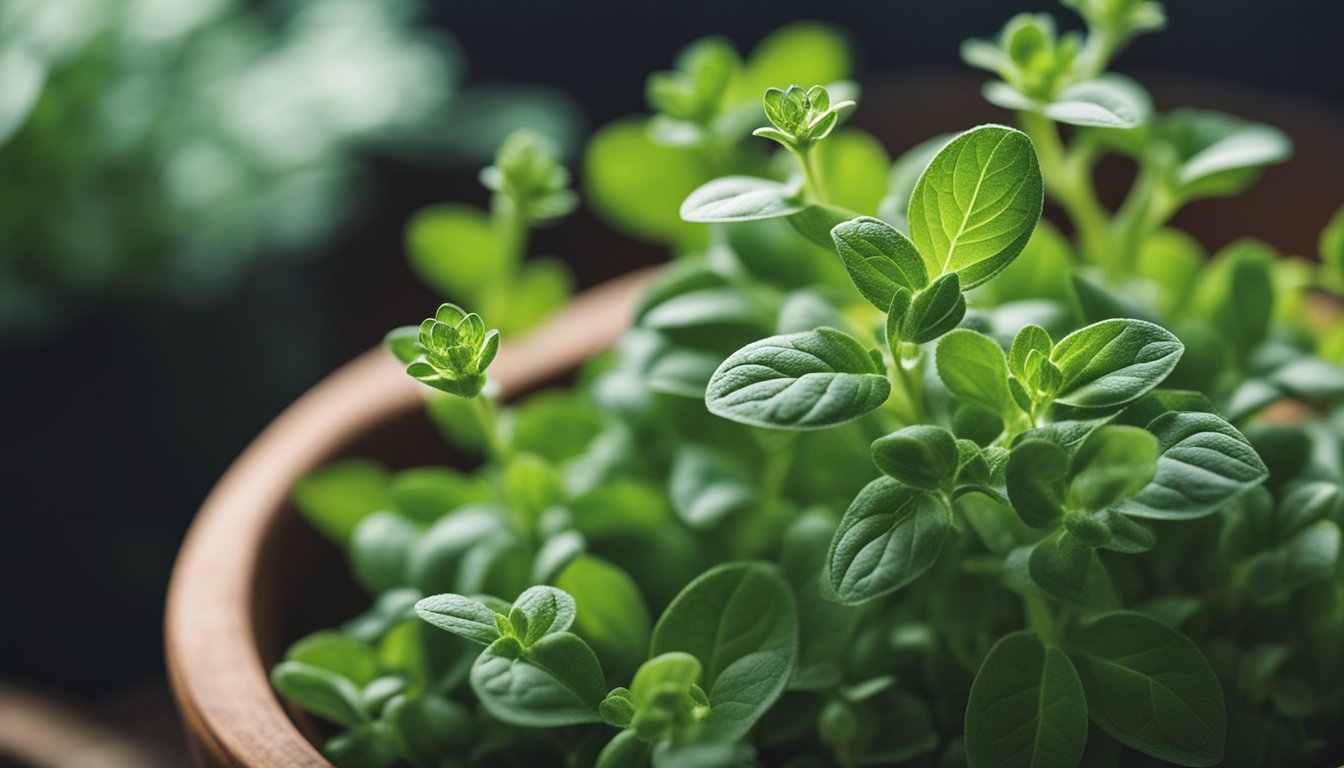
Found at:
<point>156,147</point>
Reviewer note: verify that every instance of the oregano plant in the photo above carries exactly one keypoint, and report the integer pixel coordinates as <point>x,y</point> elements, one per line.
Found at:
<point>887,470</point>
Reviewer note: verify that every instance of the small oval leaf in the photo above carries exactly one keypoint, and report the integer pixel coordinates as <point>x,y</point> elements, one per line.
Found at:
<point>890,535</point>
<point>739,198</point>
<point>799,381</point>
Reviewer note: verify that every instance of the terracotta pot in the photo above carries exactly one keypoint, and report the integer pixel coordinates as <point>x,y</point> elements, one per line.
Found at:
<point>252,576</point>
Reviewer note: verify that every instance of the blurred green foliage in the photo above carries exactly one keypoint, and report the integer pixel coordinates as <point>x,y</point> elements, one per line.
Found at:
<point>161,146</point>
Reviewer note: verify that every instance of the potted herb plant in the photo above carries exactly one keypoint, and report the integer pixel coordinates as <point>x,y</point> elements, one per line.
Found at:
<point>885,472</point>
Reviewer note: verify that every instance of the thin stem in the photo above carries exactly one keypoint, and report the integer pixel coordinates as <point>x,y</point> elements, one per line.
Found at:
<point>908,378</point>
<point>1040,620</point>
<point>781,450</point>
<point>1069,183</point>
<point>515,229</point>
<point>811,173</point>
<point>487,416</point>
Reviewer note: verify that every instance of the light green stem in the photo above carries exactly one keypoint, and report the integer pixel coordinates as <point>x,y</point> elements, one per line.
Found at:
<point>1068,181</point>
<point>912,388</point>
<point>487,416</point>
<point>812,183</point>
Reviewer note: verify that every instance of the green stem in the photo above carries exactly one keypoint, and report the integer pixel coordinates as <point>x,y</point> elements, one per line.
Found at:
<point>908,379</point>
<point>780,453</point>
<point>807,158</point>
<point>1149,205</point>
<point>514,229</point>
<point>1040,620</point>
<point>487,416</point>
<point>1068,181</point>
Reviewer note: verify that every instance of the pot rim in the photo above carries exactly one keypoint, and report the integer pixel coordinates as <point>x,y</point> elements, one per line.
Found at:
<point>222,690</point>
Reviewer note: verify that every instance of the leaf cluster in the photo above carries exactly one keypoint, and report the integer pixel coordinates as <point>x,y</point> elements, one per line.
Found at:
<point>891,477</point>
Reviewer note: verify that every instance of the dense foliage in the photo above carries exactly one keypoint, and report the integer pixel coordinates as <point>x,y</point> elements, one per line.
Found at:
<point>888,470</point>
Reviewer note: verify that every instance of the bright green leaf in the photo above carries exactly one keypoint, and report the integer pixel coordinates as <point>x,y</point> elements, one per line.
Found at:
<point>977,203</point>
<point>801,381</point>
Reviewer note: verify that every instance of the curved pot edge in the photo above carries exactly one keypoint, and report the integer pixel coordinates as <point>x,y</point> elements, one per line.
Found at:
<point>223,693</point>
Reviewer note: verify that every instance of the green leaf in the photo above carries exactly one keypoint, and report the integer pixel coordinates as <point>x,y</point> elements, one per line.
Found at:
<point>901,180</point>
<point>456,251</point>
<point>853,170</point>
<point>803,52</point>
<point>455,350</point>
<point>1026,708</point>
<point>555,425</point>
<point>337,497</point>
<point>706,486</point>
<point>1114,463</point>
<point>1332,250</point>
<point>890,535</point>
<point>1310,554</point>
<point>461,616</point>
<point>974,370</point>
<point>413,652</point>
<point>1098,302</point>
<point>720,307</point>
<point>557,681</point>
<point>1284,545</point>
<point>932,312</point>
<point>428,727</point>
<point>977,203</point>
<point>880,260</point>
<point>694,91</point>
<point>1110,101</point>
<point>825,628</point>
<point>321,692</point>
<point>336,652</point>
<point>1030,338</point>
<point>437,563</point>
<point>921,456</point>
<point>661,693</point>
<point>1220,154</point>
<point>1035,476</point>
<point>371,745</point>
<point>739,198</point>
<point>805,310</point>
<point>625,750</point>
<point>1114,362</point>
<point>1236,294</point>
<point>1204,463</point>
<point>428,493</point>
<point>548,611</point>
<point>538,290</point>
<point>380,548</point>
<point>612,615</point>
<point>638,184</point>
<point>1062,566</point>
<point>739,621</point>
<point>815,223</point>
<point>1151,689</point>
<point>801,381</point>
<point>1172,261</point>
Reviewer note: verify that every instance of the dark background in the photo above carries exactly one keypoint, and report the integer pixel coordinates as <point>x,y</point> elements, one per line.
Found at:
<point>117,426</point>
